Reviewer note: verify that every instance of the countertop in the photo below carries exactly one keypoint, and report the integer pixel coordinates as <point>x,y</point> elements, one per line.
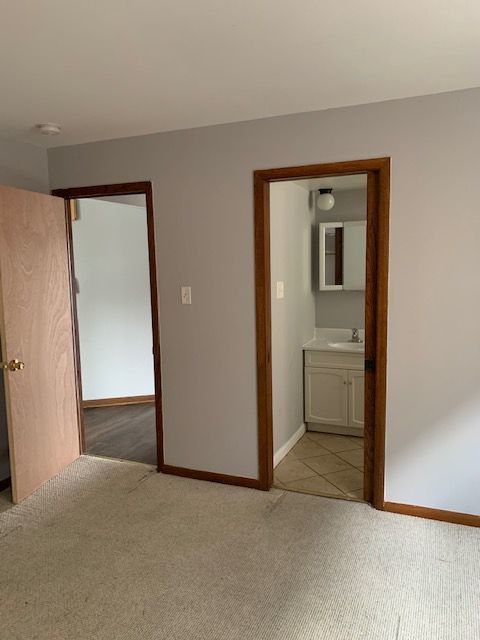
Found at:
<point>322,345</point>
<point>322,338</point>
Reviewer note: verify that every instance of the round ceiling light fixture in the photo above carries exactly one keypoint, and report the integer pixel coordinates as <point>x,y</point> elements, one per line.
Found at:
<point>48,128</point>
<point>325,200</point>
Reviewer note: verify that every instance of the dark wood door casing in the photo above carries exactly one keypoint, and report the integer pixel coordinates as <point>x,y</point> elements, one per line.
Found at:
<point>376,300</point>
<point>123,189</point>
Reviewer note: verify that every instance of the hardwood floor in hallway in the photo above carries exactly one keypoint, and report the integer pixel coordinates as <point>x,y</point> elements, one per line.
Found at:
<point>126,432</point>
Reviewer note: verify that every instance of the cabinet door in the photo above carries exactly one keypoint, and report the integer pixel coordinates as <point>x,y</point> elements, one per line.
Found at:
<point>326,395</point>
<point>356,398</point>
<point>354,253</point>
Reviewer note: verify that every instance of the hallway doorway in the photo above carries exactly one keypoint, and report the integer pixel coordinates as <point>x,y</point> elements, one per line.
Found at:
<point>116,318</point>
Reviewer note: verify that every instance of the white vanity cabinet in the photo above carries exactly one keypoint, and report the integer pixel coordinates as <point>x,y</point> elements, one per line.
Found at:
<point>334,392</point>
<point>326,395</point>
<point>356,399</point>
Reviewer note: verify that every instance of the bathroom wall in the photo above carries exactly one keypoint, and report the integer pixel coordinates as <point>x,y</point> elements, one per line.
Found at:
<point>25,167</point>
<point>340,309</point>
<point>293,317</point>
<point>203,198</point>
<point>113,303</point>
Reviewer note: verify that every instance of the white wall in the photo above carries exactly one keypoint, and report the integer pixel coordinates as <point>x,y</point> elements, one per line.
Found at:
<point>340,309</point>
<point>25,167</point>
<point>136,199</point>
<point>114,316</point>
<point>293,317</point>
<point>203,192</point>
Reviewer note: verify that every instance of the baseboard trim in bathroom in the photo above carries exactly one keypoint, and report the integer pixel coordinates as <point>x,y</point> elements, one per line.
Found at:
<point>112,402</point>
<point>209,476</point>
<point>333,428</point>
<point>282,452</point>
<point>454,517</point>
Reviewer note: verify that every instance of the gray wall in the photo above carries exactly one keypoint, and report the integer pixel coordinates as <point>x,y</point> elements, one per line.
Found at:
<point>25,167</point>
<point>204,215</point>
<point>293,317</point>
<point>340,309</point>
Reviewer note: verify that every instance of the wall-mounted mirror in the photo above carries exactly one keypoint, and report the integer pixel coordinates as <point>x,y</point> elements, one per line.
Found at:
<point>331,256</point>
<point>342,255</point>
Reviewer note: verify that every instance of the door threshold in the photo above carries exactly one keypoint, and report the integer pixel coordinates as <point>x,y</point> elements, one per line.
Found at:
<point>320,495</point>
<point>96,455</point>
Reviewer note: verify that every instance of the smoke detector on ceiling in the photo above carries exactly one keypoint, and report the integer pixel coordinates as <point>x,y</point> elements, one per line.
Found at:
<point>48,128</point>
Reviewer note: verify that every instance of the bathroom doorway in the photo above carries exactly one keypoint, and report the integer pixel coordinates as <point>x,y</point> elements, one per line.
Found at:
<point>321,294</point>
<point>112,255</point>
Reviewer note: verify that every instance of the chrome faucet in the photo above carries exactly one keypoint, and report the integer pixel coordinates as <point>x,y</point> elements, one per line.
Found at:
<point>355,336</point>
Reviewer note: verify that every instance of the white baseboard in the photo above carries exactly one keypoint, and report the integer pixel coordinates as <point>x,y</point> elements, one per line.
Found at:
<point>333,428</point>
<point>282,452</point>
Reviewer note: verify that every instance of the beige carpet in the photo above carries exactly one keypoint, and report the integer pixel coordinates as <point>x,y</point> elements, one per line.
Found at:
<point>112,550</point>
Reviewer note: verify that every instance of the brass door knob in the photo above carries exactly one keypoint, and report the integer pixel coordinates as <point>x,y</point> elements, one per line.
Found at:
<point>13,365</point>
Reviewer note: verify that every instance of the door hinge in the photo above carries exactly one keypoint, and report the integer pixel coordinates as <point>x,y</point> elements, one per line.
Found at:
<point>370,365</point>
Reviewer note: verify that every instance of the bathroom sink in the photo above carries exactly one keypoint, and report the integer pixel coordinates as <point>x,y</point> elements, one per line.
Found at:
<point>348,346</point>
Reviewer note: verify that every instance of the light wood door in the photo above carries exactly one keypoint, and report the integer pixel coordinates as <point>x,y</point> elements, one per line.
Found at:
<point>36,328</point>
<point>326,395</point>
<point>356,398</point>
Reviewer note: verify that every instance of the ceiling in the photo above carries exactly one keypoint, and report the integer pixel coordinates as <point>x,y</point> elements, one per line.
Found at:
<point>104,69</point>
<point>337,183</point>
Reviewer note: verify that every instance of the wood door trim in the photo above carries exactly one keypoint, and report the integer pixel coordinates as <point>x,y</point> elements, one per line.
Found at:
<point>125,189</point>
<point>117,402</point>
<point>103,190</point>
<point>433,514</point>
<point>76,338</point>
<point>210,476</point>
<point>349,167</point>
<point>378,200</point>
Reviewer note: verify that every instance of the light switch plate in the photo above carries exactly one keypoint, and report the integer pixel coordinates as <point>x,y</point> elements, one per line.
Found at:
<point>280,290</point>
<point>186,293</point>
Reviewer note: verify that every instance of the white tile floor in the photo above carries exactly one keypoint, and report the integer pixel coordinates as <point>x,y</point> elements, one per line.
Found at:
<point>323,464</point>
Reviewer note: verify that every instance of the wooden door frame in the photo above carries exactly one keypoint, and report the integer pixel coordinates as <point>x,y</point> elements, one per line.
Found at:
<point>376,299</point>
<point>101,191</point>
